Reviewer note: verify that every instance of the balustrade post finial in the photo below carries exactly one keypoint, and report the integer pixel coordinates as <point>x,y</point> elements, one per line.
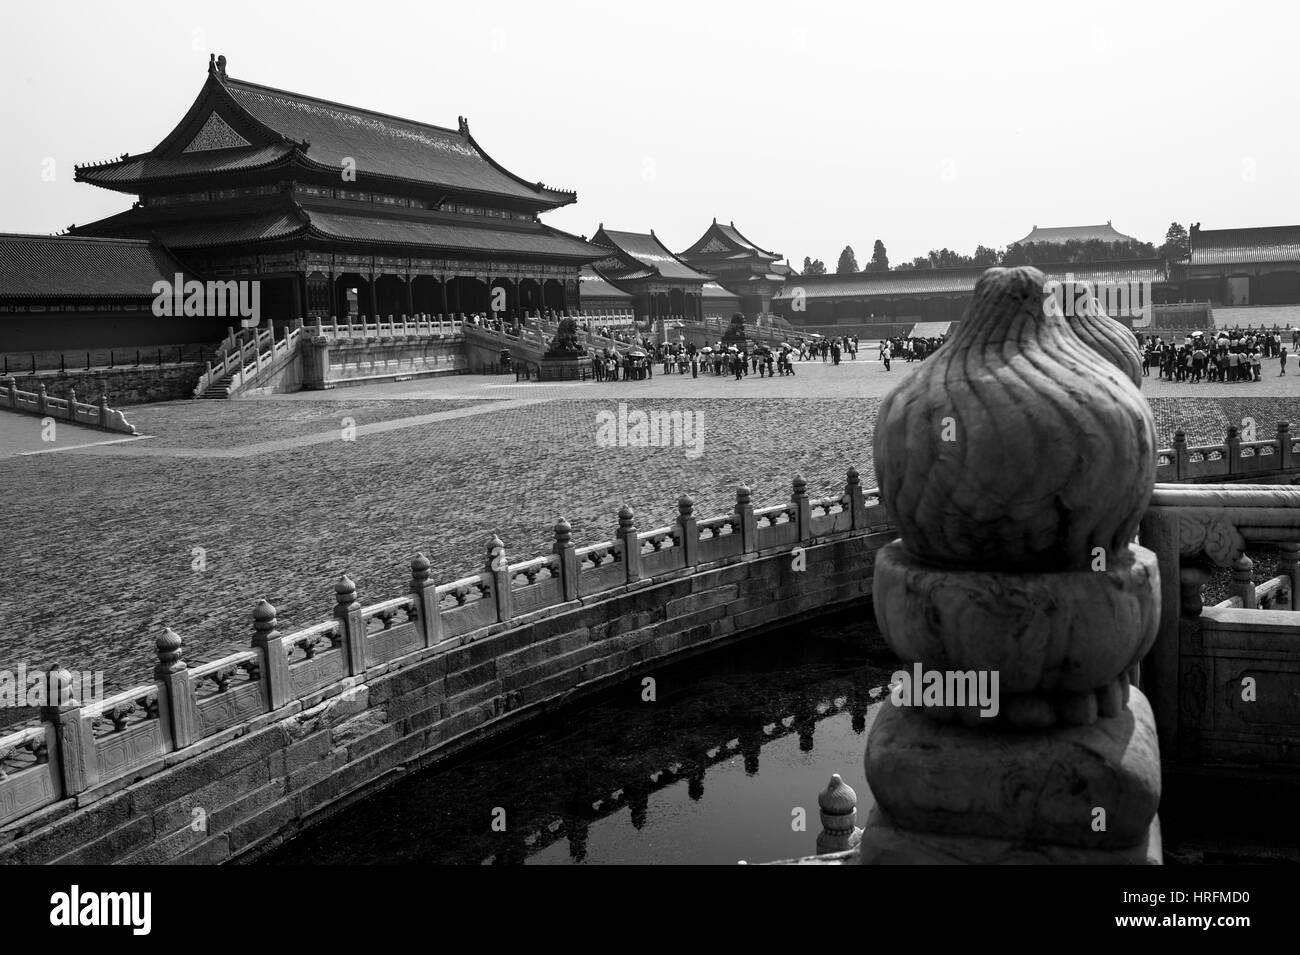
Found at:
<point>688,531</point>
<point>1243,580</point>
<point>274,663</point>
<point>747,523</point>
<point>352,626</point>
<point>1285,455</point>
<point>838,805</point>
<point>74,737</point>
<point>803,506</point>
<point>169,646</point>
<point>177,706</point>
<point>498,569</point>
<point>629,543</point>
<point>1232,446</point>
<point>426,600</point>
<point>857,500</point>
<point>1077,602</point>
<point>567,554</point>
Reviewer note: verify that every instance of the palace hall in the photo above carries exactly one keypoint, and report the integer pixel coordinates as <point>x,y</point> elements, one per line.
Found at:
<point>337,209</point>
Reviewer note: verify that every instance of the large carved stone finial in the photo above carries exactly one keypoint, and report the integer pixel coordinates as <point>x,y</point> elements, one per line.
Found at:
<point>1013,446</point>
<point>1017,465</point>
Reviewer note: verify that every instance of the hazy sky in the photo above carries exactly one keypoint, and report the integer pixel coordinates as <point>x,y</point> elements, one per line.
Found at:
<point>811,125</point>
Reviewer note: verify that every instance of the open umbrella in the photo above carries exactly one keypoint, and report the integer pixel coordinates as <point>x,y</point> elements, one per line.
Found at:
<point>636,353</point>
<point>706,350</point>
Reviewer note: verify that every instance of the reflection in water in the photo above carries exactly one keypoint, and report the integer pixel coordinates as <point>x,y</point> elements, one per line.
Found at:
<point>711,772</point>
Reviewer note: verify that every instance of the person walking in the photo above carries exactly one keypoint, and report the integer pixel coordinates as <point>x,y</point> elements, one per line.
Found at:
<point>1283,361</point>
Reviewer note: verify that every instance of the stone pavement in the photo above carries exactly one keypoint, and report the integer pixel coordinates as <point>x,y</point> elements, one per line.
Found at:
<point>99,543</point>
<point>24,434</point>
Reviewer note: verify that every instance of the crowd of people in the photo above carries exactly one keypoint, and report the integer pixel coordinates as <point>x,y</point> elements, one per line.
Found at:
<point>908,349</point>
<point>1225,355</point>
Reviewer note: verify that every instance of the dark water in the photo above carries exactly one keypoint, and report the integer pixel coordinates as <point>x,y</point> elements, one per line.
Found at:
<point>710,772</point>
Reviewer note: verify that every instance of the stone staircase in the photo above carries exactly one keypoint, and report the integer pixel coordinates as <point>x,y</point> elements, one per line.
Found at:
<point>219,388</point>
<point>930,329</point>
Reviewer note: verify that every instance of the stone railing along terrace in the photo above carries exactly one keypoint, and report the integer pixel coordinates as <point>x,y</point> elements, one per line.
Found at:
<point>98,415</point>
<point>302,718</point>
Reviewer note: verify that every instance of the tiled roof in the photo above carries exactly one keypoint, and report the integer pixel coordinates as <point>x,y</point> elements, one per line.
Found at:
<point>732,233</point>
<point>906,282</point>
<point>532,238</point>
<point>714,290</point>
<point>1081,233</point>
<point>242,125</point>
<point>594,286</point>
<point>43,266</point>
<point>1245,246</point>
<point>264,227</point>
<point>148,168</point>
<point>651,253</point>
<point>382,145</point>
<point>960,281</point>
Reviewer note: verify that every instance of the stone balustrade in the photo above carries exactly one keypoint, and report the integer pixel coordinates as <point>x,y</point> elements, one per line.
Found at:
<point>98,415</point>
<point>1234,459</point>
<point>1205,658</point>
<point>469,655</point>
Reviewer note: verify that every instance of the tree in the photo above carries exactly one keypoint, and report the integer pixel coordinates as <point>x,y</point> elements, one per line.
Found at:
<point>879,258</point>
<point>848,262</point>
<point>813,266</point>
<point>986,257</point>
<point>1177,244</point>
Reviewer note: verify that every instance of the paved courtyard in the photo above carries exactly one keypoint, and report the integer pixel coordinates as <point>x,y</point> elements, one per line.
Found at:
<point>284,494</point>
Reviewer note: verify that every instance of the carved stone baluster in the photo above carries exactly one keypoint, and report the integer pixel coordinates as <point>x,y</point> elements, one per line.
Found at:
<point>1289,564</point>
<point>426,601</point>
<point>803,507</point>
<point>568,558</point>
<point>688,530</point>
<point>745,522</point>
<point>275,661</point>
<point>177,707</point>
<point>498,568</point>
<point>1243,581</point>
<point>630,544</point>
